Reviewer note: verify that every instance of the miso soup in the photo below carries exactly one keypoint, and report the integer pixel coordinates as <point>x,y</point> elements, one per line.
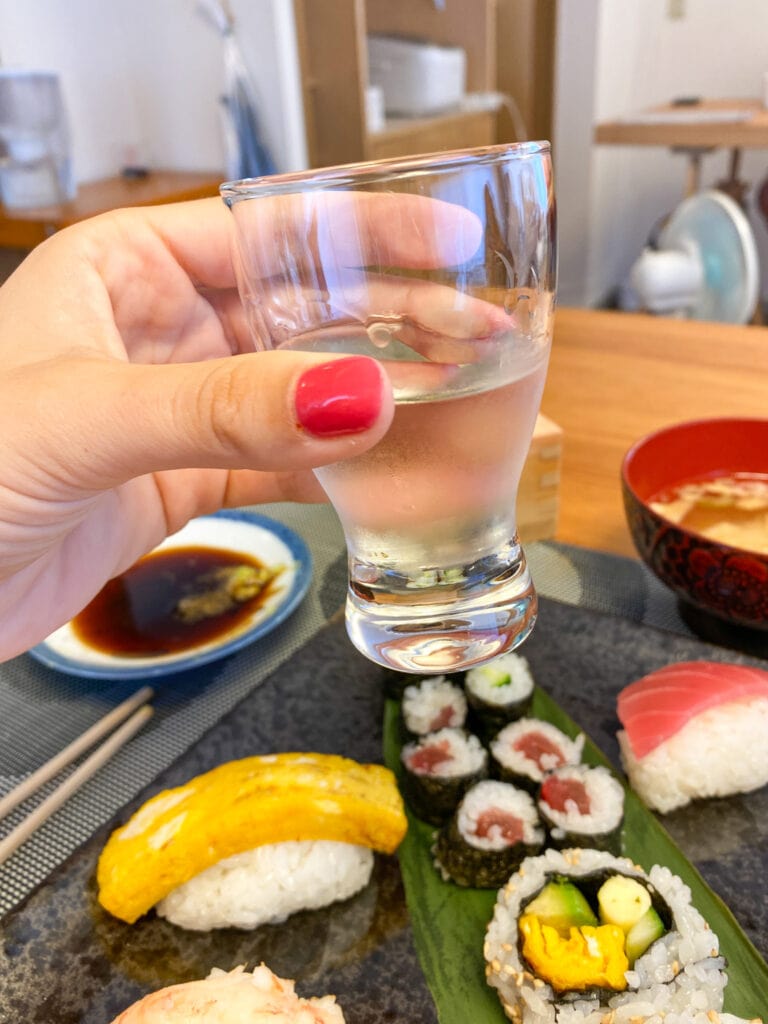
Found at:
<point>729,509</point>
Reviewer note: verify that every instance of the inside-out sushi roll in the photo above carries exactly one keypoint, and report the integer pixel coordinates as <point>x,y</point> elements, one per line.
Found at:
<point>252,841</point>
<point>438,769</point>
<point>493,829</point>
<point>582,806</point>
<point>578,933</point>
<point>498,692</point>
<point>524,751</point>
<point>433,704</point>
<point>236,996</point>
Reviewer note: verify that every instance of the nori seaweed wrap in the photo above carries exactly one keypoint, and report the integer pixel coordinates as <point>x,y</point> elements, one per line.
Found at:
<point>582,806</point>
<point>438,769</point>
<point>499,692</point>
<point>493,829</point>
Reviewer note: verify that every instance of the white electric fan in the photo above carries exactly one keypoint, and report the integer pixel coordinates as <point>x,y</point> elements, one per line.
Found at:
<point>704,265</point>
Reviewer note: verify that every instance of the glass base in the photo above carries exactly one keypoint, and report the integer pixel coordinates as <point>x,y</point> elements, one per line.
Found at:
<point>440,629</point>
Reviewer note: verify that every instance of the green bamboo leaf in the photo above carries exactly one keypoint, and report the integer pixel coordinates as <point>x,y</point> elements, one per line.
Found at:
<point>449,922</point>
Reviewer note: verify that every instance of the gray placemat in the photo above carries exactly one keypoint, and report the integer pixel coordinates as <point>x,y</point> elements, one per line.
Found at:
<point>42,710</point>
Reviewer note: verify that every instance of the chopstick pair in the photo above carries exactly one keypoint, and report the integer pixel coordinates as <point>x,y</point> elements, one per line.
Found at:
<point>135,719</point>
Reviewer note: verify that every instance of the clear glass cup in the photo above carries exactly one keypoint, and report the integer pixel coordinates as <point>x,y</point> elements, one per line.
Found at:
<point>443,268</point>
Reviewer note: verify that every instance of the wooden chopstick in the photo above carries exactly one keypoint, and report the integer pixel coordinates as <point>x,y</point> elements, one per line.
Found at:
<point>77,747</point>
<point>10,843</point>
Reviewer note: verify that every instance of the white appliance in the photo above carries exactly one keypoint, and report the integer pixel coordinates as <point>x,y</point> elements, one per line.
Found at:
<point>35,162</point>
<point>705,264</point>
<point>417,78</point>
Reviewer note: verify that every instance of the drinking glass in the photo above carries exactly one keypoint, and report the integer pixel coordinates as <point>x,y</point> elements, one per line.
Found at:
<point>443,268</point>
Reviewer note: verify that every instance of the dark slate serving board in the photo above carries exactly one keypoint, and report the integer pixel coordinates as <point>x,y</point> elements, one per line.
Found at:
<point>64,961</point>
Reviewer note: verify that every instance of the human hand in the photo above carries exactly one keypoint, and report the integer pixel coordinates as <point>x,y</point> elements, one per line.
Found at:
<point>123,413</point>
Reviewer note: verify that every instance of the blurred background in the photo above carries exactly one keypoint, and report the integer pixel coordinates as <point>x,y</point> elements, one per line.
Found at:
<point>147,86</point>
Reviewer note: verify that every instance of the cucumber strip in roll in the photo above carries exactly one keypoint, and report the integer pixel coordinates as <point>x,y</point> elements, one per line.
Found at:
<point>579,933</point>
<point>498,692</point>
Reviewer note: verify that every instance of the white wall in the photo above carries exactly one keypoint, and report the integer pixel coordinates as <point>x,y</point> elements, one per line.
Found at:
<point>643,57</point>
<point>141,78</point>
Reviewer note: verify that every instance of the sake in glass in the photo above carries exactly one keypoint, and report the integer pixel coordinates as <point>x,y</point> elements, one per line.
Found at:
<point>443,268</point>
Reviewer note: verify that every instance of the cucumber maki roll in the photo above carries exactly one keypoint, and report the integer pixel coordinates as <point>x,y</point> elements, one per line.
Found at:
<point>498,692</point>
<point>433,704</point>
<point>493,829</point>
<point>582,936</point>
<point>582,806</point>
<point>438,769</point>
<point>526,750</point>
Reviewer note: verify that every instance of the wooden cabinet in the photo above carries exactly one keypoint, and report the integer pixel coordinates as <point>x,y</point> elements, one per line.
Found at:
<point>334,63</point>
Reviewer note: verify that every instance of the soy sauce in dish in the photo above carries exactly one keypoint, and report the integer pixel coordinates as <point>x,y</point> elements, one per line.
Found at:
<point>175,599</point>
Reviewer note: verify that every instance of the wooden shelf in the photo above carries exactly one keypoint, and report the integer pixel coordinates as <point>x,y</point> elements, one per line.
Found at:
<point>334,63</point>
<point>695,126</point>
<point>429,135</point>
<point>24,229</point>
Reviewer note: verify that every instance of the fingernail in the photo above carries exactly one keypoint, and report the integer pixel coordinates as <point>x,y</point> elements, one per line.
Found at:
<point>343,396</point>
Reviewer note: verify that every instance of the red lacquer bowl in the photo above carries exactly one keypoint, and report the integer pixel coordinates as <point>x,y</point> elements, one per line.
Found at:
<point>717,579</point>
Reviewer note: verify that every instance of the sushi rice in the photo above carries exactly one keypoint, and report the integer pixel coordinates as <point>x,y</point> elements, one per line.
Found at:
<point>680,978</point>
<point>494,827</point>
<point>515,759</point>
<point>505,680</point>
<point>438,769</point>
<point>292,876</point>
<point>599,824</point>
<point>720,751</point>
<point>433,704</point>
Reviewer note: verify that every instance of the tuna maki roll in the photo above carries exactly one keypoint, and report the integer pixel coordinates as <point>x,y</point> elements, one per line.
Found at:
<point>493,829</point>
<point>526,750</point>
<point>498,692</point>
<point>582,806</point>
<point>581,935</point>
<point>433,704</point>
<point>438,769</point>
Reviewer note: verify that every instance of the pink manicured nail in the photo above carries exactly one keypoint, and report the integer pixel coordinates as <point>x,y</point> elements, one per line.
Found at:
<point>340,397</point>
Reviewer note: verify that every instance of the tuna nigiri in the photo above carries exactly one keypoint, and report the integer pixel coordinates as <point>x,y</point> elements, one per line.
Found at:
<point>259,997</point>
<point>694,729</point>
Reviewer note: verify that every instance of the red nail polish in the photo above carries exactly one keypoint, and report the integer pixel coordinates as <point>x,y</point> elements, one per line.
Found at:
<point>339,397</point>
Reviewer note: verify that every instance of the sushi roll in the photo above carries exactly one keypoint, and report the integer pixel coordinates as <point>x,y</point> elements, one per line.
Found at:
<point>582,806</point>
<point>237,996</point>
<point>438,769</point>
<point>524,751</point>
<point>498,692</point>
<point>433,704</point>
<point>252,842</point>
<point>578,933</point>
<point>694,730</point>
<point>493,829</point>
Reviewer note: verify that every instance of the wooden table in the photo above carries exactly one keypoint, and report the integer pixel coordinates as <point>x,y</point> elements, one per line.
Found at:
<point>24,229</point>
<point>615,377</point>
<point>690,129</point>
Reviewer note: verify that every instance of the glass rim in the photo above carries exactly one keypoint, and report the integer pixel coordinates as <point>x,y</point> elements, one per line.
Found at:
<point>316,179</point>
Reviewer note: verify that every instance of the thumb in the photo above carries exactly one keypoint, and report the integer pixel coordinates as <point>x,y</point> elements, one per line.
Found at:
<point>278,411</point>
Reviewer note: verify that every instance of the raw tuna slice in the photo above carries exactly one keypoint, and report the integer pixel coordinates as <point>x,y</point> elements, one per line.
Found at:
<point>656,707</point>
